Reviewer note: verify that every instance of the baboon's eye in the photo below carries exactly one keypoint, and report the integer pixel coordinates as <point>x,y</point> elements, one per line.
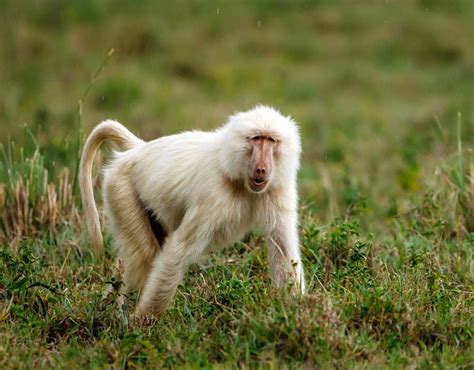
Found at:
<point>262,137</point>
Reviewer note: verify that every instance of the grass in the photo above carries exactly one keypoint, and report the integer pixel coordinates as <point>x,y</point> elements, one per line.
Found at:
<point>403,298</point>
<point>383,95</point>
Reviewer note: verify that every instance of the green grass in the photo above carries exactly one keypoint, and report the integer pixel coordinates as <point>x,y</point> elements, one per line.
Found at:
<point>383,94</point>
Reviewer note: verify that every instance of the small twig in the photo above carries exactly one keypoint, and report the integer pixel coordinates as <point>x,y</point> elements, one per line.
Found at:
<point>65,260</point>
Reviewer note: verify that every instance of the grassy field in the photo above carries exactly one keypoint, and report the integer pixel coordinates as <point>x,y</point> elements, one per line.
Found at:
<point>383,93</point>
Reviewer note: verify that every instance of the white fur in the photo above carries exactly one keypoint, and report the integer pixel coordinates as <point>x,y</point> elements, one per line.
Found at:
<point>195,183</point>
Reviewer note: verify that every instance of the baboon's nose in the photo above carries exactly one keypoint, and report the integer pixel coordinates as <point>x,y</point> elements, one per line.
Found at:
<point>260,173</point>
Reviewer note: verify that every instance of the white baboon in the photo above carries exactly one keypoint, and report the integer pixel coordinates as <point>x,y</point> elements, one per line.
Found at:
<point>170,200</point>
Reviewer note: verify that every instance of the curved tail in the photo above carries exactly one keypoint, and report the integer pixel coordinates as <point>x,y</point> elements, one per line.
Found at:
<point>124,139</point>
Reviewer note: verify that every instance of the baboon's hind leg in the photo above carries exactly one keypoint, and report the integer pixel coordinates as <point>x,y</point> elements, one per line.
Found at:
<point>133,233</point>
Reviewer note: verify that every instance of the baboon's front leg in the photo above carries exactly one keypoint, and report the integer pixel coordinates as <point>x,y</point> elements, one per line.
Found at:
<point>284,253</point>
<point>168,270</point>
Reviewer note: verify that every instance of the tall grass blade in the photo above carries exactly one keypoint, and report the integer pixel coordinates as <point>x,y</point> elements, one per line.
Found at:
<point>79,138</point>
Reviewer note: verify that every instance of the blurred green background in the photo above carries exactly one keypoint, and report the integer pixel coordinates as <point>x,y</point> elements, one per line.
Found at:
<point>375,85</point>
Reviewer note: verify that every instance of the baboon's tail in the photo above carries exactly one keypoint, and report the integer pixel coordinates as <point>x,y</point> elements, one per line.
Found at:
<point>124,139</point>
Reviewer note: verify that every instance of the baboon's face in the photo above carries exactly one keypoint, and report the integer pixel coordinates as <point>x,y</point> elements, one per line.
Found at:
<point>262,151</point>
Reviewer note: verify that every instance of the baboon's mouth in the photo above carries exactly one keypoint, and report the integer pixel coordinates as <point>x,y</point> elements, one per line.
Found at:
<point>257,184</point>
